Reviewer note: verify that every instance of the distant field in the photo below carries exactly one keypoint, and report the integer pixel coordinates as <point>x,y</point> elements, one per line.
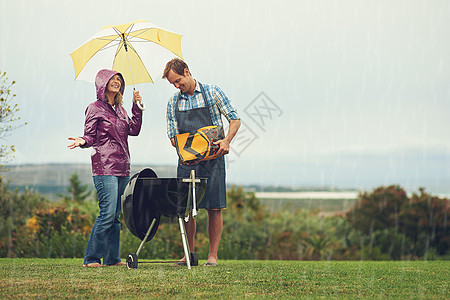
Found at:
<point>326,202</point>
<point>308,195</point>
<point>324,205</point>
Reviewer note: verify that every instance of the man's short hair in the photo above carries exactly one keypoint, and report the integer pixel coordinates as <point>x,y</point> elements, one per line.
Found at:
<point>177,65</point>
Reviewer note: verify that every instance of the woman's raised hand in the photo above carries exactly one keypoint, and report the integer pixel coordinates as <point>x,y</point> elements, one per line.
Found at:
<point>77,142</point>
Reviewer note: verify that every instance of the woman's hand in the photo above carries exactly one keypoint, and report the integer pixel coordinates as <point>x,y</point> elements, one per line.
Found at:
<point>77,142</point>
<point>136,97</point>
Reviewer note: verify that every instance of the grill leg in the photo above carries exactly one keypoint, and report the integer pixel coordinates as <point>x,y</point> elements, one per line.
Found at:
<point>194,202</point>
<point>187,252</point>
<point>146,237</point>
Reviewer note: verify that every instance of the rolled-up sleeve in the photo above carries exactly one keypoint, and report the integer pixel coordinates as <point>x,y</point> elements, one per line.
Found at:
<point>225,106</point>
<point>172,126</point>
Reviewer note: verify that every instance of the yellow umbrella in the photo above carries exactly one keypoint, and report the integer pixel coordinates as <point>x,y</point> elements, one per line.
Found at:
<point>127,48</point>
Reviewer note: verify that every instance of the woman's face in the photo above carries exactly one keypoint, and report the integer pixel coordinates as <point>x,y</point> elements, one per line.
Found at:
<point>114,84</point>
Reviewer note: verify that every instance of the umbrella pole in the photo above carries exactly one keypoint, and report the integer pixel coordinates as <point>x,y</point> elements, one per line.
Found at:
<point>141,107</point>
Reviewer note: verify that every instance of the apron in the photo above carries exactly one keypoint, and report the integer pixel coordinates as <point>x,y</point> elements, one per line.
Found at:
<point>189,121</point>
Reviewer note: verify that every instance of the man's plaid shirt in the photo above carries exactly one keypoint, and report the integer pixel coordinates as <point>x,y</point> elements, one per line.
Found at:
<point>216,99</point>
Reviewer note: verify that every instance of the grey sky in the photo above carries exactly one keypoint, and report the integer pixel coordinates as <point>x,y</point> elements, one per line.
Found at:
<point>360,88</point>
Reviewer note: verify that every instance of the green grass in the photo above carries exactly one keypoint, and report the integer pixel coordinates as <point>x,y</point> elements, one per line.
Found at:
<point>66,278</point>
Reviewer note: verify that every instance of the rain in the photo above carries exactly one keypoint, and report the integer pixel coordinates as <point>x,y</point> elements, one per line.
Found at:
<point>333,95</point>
<point>359,88</point>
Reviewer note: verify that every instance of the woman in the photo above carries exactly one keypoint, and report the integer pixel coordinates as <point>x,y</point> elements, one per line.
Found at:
<point>106,130</point>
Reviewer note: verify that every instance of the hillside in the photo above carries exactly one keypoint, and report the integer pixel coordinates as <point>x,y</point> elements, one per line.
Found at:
<point>51,179</point>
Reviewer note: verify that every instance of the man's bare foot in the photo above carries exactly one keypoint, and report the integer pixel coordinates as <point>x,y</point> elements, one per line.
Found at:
<point>182,262</point>
<point>120,263</point>
<point>93,265</point>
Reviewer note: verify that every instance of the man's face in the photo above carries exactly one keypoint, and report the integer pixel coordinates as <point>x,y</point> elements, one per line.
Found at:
<point>181,82</point>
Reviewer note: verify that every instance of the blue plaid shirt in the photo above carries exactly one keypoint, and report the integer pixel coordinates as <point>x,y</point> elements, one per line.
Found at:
<point>216,99</point>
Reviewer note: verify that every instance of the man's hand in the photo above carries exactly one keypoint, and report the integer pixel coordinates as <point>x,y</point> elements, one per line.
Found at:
<point>189,162</point>
<point>224,147</point>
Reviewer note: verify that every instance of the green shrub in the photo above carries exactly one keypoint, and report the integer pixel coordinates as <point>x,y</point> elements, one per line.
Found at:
<point>54,232</point>
<point>382,225</point>
<point>16,209</point>
<point>396,227</point>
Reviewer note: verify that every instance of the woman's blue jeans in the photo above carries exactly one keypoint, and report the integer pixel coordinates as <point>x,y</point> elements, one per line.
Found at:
<point>105,235</point>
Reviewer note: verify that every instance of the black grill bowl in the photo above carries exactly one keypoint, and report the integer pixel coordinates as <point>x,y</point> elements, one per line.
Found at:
<point>171,195</point>
<point>147,197</point>
<point>138,209</point>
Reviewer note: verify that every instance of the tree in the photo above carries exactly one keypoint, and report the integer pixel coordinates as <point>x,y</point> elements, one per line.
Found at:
<point>425,223</point>
<point>8,118</point>
<point>378,210</point>
<point>16,208</point>
<point>397,225</point>
<point>78,192</point>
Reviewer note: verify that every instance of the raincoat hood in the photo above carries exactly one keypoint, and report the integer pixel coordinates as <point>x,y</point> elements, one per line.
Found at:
<point>101,81</point>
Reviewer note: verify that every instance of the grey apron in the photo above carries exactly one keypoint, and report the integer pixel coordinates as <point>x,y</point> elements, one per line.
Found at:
<point>189,121</point>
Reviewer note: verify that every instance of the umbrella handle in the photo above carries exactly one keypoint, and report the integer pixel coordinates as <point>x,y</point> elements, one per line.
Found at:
<point>141,106</point>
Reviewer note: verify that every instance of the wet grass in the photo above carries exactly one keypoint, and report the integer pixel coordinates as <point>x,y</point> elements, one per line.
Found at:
<point>66,278</point>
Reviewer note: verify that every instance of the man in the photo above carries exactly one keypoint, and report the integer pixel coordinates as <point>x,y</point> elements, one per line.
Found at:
<point>198,105</point>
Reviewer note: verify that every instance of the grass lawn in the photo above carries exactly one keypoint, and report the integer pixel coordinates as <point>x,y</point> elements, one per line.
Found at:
<point>66,278</point>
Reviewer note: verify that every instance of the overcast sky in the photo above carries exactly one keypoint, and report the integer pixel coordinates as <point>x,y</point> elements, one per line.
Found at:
<point>330,93</point>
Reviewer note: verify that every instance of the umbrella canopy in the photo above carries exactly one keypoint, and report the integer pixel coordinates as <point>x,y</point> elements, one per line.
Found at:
<point>138,50</point>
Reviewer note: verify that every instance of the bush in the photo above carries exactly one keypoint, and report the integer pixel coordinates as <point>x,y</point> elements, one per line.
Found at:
<point>16,210</point>
<point>54,232</point>
<point>384,224</point>
<point>378,210</point>
<point>394,226</point>
<point>424,220</point>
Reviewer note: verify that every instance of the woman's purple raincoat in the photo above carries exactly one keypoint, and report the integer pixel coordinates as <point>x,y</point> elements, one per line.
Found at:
<point>106,130</point>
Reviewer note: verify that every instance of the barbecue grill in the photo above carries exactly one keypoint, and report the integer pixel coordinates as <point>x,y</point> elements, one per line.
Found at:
<point>146,198</point>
